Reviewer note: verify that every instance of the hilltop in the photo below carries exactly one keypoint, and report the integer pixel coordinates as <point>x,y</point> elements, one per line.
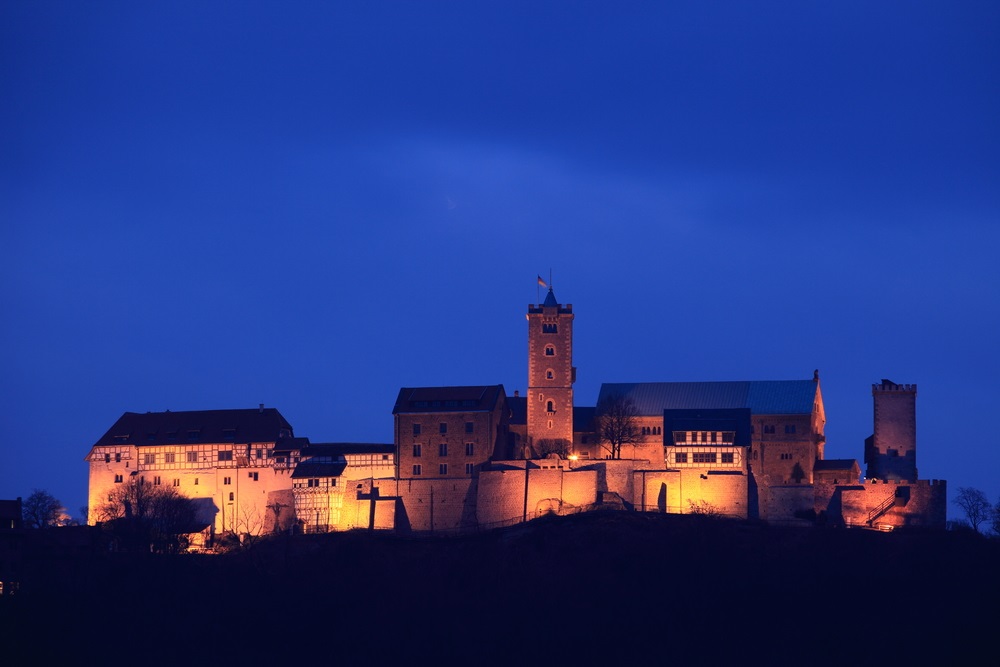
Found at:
<point>618,586</point>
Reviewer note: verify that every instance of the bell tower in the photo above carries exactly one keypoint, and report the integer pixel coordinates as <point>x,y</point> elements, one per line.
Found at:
<point>550,376</point>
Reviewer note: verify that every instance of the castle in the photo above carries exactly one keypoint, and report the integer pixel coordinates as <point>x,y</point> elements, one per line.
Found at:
<point>468,458</point>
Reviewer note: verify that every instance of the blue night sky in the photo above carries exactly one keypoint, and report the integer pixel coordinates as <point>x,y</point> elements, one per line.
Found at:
<point>309,205</point>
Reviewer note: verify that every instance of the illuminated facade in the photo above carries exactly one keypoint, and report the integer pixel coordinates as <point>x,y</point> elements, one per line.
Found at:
<point>550,376</point>
<point>231,463</point>
<point>469,457</point>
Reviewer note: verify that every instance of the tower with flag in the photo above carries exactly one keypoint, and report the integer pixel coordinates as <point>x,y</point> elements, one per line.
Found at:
<point>550,373</point>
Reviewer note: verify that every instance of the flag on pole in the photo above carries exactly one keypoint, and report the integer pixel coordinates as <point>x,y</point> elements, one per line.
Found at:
<point>541,282</point>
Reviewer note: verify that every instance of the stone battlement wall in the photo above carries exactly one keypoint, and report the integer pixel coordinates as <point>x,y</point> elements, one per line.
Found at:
<point>881,503</point>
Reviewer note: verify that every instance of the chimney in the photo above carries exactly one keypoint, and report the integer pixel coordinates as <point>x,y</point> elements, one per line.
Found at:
<point>516,393</point>
<point>261,410</point>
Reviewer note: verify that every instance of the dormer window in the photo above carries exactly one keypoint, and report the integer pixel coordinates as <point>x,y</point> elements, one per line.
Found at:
<point>229,433</point>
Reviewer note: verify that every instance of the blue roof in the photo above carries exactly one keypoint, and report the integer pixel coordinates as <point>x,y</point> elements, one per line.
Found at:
<point>766,397</point>
<point>550,299</point>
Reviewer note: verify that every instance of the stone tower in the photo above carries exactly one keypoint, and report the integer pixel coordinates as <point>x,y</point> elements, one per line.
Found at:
<point>550,376</point>
<point>891,452</point>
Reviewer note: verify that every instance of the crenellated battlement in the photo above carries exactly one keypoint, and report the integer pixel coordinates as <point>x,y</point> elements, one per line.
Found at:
<point>903,482</point>
<point>889,386</point>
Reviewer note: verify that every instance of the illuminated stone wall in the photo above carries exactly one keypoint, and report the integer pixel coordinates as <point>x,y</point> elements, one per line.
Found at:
<point>786,504</point>
<point>502,499</point>
<point>891,452</point>
<point>437,505</point>
<point>917,504</point>
<point>688,491</point>
<point>489,434</point>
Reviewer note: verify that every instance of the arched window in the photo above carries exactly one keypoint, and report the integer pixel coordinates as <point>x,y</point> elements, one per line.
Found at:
<point>550,351</point>
<point>231,496</point>
<point>550,407</point>
<point>549,374</point>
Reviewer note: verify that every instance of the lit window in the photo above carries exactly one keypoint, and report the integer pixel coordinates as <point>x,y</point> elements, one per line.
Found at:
<point>417,451</point>
<point>443,469</point>
<point>416,468</point>
<point>470,448</point>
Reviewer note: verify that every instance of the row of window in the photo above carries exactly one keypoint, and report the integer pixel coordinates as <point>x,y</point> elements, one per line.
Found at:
<point>550,328</point>
<point>707,437</point>
<point>189,457</point>
<point>442,469</point>
<point>315,483</point>
<point>652,430</point>
<point>470,449</point>
<point>769,429</point>
<point>704,457</point>
<point>253,476</point>
<point>470,427</point>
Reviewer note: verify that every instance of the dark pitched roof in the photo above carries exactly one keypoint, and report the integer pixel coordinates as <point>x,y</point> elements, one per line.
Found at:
<point>345,448</point>
<point>197,426</point>
<point>835,464</point>
<point>550,299</point>
<point>319,469</point>
<point>518,409</point>
<point>447,399</point>
<point>767,397</point>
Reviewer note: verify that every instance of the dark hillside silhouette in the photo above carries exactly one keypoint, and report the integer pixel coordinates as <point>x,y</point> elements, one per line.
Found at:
<point>606,586</point>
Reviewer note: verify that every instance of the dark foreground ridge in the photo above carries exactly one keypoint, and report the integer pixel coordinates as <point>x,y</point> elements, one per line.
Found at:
<point>611,587</point>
